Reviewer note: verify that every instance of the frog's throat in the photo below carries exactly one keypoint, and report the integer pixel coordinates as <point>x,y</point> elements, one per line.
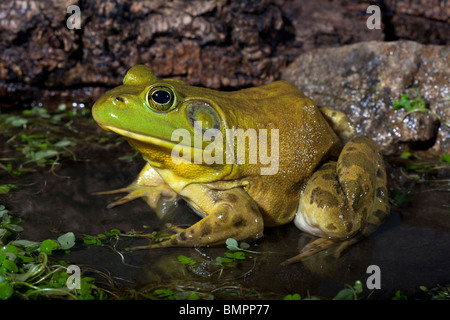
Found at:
<point>151,140</point>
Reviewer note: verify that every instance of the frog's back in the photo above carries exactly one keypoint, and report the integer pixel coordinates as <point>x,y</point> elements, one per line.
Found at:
<point>305,137</point>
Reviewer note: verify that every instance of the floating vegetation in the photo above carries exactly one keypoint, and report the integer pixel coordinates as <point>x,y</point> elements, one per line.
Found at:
<point>26,272</point>
<point>438,293</point>
<point>40,138</point>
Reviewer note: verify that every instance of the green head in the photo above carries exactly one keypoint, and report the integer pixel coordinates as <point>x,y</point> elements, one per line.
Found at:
<point>160,118</point>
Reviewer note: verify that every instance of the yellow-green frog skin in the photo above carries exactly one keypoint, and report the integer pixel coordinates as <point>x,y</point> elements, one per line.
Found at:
<point>331,182</point>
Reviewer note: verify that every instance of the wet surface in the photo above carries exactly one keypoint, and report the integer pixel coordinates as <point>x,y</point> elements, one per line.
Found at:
<point>411,248</point>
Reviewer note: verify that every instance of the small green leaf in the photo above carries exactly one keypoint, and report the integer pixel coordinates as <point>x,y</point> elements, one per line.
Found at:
<point>44,154</point>
<point>294,296</point>
<point>163,293</point>
<point>186,260</point>
<point>235,255</point>
<point>47,246</point>
<point>445,157</point>
<point>6,290</point>
<point>344,294</point>
<point>10,266</point>
<point>223,260</point>
<point>406,155</point>
<point>26,244</point>
<point>88,239</point>
<point>66,241</point>
<point>399,296</point>
<point>358,287</point>
<point>244,245</point>
<point>5,188</point>
<point>62,143</point>
<point>232,244</point>
<point>9,248</point>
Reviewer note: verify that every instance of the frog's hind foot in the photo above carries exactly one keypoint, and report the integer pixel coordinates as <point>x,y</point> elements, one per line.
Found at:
<point>320,245</point>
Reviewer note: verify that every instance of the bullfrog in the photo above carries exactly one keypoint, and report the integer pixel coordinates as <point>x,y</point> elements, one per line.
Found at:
<point>245,160</point>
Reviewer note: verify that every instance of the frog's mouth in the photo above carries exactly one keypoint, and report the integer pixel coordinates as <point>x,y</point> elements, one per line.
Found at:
<point>175,147</point>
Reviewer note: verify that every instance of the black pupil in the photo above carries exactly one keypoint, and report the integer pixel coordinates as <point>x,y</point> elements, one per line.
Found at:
<point>161,96</point>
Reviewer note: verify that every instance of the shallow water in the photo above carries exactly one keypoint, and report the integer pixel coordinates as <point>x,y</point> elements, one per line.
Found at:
<point>411,248</point>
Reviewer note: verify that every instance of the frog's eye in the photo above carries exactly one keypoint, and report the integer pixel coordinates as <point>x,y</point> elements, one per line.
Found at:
<point>161,99</point>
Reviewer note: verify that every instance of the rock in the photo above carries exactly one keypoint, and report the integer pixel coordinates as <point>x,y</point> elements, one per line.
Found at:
<point>364,79</point>
<point>425,21</point>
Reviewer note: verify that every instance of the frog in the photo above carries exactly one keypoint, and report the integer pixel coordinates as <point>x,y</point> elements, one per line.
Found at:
<point>327,179</point>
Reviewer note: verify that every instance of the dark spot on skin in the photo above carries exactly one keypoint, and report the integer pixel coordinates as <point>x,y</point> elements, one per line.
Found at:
<point>238,222</point>
<point>217,198</point>
<point>381,192</point>
<point>331,227</point>
<point>349,226</point>
<point>356,158</point>
<point>232,198</point>
<point>182,236</point>
<point>333,114</point>
<point>360,140</point>
<point>329,166</point>
<point>379,214</point>
<point>337,188</point>
<point>174,241</point>
<point>329,176</point>
<point>323,198</point>
<point>205,229</point>
<point>119,99</point>
<point>380,173</point>
<point>351,149</point>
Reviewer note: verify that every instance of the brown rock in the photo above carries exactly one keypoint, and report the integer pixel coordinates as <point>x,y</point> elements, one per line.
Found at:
<point>216,43</point>
<point>364,79</point>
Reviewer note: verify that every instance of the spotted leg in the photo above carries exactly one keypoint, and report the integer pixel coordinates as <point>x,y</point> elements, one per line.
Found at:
<point>343,201</point>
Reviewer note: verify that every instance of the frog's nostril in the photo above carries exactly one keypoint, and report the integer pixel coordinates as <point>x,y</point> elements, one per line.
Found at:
<point>119,99</point>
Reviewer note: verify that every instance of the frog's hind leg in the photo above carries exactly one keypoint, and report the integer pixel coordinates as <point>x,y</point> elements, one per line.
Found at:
<point>149,186</point>
<point>344,201</point>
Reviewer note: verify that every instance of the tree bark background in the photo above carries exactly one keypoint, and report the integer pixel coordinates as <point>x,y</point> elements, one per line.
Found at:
<point>213,43</point>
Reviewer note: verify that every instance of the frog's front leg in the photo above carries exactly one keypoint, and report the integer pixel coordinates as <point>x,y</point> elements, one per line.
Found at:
<point>226,214</point>
<point>148,185</point>
<point>343,198</point>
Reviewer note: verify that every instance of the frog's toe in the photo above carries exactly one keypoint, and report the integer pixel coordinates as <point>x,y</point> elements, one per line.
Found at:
<point>129,197</point>
<point>133,193</point>
<point>322,244</point>
<point>310,249</point>
<point>153,195</point>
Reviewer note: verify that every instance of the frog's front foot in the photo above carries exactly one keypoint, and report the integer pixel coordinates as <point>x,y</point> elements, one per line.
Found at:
<point>229,214</point>
<point>149,186</point>
<point>151,194</point>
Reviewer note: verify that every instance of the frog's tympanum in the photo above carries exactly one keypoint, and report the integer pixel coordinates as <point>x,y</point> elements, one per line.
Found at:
<point>245,160</point>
